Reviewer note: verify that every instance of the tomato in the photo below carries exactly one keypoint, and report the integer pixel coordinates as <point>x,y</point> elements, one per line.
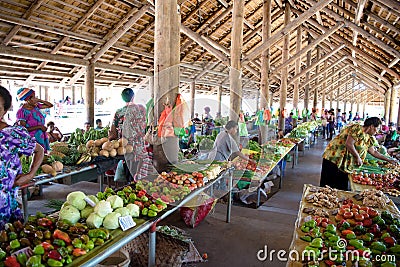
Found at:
<point>355,206</point>
<point>346,232</point>
<point>338,218</point>
<point>341,211</point>
<point>372,213</point>
<point>359,217</point>
<point>348,215</point>
<point>347,206</point>
<point>372,176</point>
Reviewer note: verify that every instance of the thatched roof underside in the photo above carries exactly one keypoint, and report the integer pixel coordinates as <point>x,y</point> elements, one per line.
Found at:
<point>53,41</point>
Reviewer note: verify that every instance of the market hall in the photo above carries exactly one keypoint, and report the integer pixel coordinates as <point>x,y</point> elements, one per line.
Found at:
<point>249,62</point>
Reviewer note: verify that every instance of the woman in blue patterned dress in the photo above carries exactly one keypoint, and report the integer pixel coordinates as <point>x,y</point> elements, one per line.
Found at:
<point>30,116</point>
<point>14,141</point>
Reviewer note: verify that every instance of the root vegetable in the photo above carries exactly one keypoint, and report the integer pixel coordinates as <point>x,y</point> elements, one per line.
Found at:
<point>121,151</point>
<point>123,142</point>
<point>104,153</point>
<point>108,146</point>
<point>98,142</point>
<point>48,169</point>
<point>129,149</point>
<point>57,166</point>
<point>90,144</point>
<point>113,152</point>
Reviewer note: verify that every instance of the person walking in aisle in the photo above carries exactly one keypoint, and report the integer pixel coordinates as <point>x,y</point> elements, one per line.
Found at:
<point>347,151</point>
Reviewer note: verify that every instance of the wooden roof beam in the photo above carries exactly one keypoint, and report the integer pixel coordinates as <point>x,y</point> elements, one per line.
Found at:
<point>367,35</point>
<point>312,66</point>
<point>358,14</point>
<point>390,5</point>
<point>34,6</point>
<point>309,47</point>
<point>286,30</point>
<point>372,72</point>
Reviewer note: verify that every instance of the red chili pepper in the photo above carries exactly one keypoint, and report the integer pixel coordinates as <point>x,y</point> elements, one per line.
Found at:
<point>11,261</point>
<point>139,203</point>
<point>61,235</point>
<point>141,193</point>
<point>55,255</point>
<point>47,246</point>
<point>78,252</point>
<point>45,222</point>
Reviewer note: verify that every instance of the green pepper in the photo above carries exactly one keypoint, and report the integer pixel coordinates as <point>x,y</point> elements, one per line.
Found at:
<point>68,259</point>
<point>359,229</point>
<point>152,213</point>
<point>98,233</point>
<point>395,249</point>
<point>153,207</point>
<point>77,243</point>
<point>316,243</point>
<point>22,258</point>
<point>54,263</point>
<point>145,211</point>
<point>160,202</point>
<point>3,236</point>
<point>59,242</point>
<point>63,251</point>
<point>327,235</point>
<point>34,261</point>
<point>38,250</point>
<point>351,236</point>
<point>84,238</point>
<point>305,229</point>
<point>311,223</point>
<point>14,244</point>
<point>378,246</point>
<point>312,252</point>
<point>3,254</point>
<point>356,243</point>
<point>345,225</point>
<point>330,228</point>
<point>99,242</point>
<point>12,235</point>
<point>367,237</point>
<point>47,235</point>
<point>394,230</point>
<point>306,238</point>
<point>144,199</point>
<point>90,245</point>
<point>315,232</point>
<point>334,239</point>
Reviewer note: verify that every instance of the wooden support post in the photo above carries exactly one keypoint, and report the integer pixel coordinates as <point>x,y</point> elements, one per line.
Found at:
<point>265,67</point>
<point>297,70</point>
<point>338,94</point>
<point>219,96</point>
<point>89,99</point>
<point>315,100</point>
<point>73,87</point>
<point>192,98</point>
<point>393,104</point>
<point>387,106</point>
<point>235,79</point>
<point>284,75</point>
<point>307,87</point>
<point>323,99</point>
<point>151,87</point>
<point>46,93</point>
<point>331,99</point>
<point>166,74</point>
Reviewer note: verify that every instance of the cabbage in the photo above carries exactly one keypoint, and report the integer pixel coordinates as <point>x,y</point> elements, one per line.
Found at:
<point>134,210</point>
<point>111,221</point>
<point>94,220</point>
<point>77,199</point>
<point>123,211</point>
<point>103,208</point>
<point>116,201</point>
<point>86,211</point>
<point>70,214</point>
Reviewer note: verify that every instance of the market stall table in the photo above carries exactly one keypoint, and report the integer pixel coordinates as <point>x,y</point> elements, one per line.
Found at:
<point>121,238</point>
<point>46,178</point>
<point>298,245</point>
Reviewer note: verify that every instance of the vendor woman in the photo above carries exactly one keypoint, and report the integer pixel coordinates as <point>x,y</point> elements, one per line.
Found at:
<point>348,150</point>
<point>14,142</point>
<point>225,146</point>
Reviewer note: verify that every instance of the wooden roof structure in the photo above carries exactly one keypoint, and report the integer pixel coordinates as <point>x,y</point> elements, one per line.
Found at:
<point>348,47</point>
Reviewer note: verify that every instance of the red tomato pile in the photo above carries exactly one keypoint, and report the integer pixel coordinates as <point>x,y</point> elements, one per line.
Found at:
<point>378,180</point>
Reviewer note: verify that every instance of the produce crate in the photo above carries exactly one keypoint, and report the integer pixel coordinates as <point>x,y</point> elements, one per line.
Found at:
<point>169,251</point>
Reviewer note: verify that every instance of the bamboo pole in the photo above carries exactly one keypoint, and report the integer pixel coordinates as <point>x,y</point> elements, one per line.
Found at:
<point>235,80</point>
<point>323,99</point>
<point>315,100</point>
<point>73,87</point>
<point>387,106</point>
<point>307,86</point>
<point>265,67</point>
<point>284,75</point>
<point>219,96</point>
<point>89,101</point>
<point>338,93</point>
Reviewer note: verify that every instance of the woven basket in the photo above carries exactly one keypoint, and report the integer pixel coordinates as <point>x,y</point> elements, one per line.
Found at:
<point>169,251</point>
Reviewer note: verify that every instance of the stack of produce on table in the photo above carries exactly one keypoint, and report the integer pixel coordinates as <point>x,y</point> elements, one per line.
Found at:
<point>44,241</point>
<point>383,177</point>
<point>251,169</point>
<point>302,130</point>
<point>349,232</point>
<point>274,150</point>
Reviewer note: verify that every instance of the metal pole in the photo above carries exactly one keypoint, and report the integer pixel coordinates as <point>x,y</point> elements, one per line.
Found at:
<point>228,212</point>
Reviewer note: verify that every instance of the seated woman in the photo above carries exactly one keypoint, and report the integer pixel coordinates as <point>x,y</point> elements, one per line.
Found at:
<point>54,134</point>
<point>391,136</point>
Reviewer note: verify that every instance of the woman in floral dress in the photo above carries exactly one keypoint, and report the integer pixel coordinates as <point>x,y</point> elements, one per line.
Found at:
<point>30,116</point>
<point>348,150</point>
<point>14,140</point>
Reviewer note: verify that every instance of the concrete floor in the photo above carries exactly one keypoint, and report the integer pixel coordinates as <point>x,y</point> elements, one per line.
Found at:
<point>250,230</point>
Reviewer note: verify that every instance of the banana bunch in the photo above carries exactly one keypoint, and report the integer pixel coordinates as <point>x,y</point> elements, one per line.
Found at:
<point>85,157</point>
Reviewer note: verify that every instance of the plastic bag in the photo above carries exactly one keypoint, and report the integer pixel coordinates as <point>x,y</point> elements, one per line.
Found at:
<point>197,209</point>
<point>181,113</point>
<point>165,127</point>
<point>120,175</point>
<point>243,129</point>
